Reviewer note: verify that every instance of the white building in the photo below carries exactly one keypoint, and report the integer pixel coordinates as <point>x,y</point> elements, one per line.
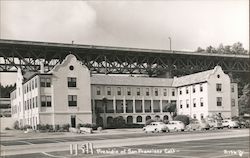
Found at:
<point>61,96</point>
<point>68,95</point>
<point>206,93</point>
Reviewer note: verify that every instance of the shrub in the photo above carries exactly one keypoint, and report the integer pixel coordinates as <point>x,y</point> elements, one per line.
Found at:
<point>165,121</point>
<point>57,127</point>
<point>27,127</point>
<point>7,128</point>
<point>16,125</point>
<point>182,118</point>
<point>134,125</point>
<point>118,122</point>
<point>65,127</point>
<point>149,121</point>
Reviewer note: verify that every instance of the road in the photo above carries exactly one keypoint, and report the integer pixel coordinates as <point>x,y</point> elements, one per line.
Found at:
<point>198,144</point>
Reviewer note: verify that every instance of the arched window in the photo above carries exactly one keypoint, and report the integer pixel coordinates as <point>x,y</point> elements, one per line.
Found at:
<point>109,121</point>
<point>165,117</point>
<point>129,119</point>
<point>139,119</point>
<point>148,118</point>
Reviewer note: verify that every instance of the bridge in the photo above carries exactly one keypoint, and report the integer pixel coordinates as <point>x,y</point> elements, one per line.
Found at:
<point>28,55</point>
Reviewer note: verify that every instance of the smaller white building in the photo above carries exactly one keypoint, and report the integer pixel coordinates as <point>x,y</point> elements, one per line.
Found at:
<point>206,93</point>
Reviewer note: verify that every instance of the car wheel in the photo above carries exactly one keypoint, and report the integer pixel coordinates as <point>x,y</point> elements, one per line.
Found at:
<point>175,129</point>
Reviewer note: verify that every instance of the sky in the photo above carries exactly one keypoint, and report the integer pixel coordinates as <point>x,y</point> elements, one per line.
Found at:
<point>126,23</point>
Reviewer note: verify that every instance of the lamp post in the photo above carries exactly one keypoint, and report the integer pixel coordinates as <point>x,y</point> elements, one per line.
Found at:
<point>169,43</point>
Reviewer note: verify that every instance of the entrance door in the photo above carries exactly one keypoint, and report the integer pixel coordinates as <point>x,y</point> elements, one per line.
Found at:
<point>73,121</point>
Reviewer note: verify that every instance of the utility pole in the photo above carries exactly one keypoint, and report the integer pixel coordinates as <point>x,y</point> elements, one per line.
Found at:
<point>170,43</point>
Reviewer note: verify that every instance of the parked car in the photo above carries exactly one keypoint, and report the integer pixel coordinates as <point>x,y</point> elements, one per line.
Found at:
<point>176,126</point>
<point>230,123</point>
<point>156,127</point>
<point>215,124</point>
<point>196,125</point>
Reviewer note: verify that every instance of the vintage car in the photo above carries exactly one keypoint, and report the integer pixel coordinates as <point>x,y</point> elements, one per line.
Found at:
<point>230,123</point>
<point>156,127</point>
<point>176,126</point>
<point>197,125</point>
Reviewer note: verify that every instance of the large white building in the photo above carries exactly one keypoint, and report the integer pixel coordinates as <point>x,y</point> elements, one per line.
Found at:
<point>68,94</point>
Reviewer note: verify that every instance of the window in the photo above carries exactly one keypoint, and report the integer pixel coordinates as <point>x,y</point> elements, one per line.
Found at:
<point>108,91</point>
<point>29,86</point>
<point>201,88</point>
<point>180,92</point>
<point>48,101</point>
<point>71,82</point>
<point>33,102</point>
<point>173,92</point>
<point>119,91</point>
<point>45,82</point>
<point>218,87</point>
<point>139,119</point>
<point>138,91</point>
<point>156,92</point>
<point>32,84</point>
<point>201,102</point>
<point>194,102</point>
<point>72,100</point>
<point>194,116</point>
<point>98,91</point>
<point>45,101</point>
<point>219,101</point>
<point>180,104</point>
<point>202,117</point>
<point>128,91</point>
<point>25,105</point>
<point>36,102</point>
<point>147,91</point>
<point>36,83</point>
<point>193,89</point>
<point>187,103</point>
<point>233,102</point>
<point>164,92</point>
<point>71,67</point>
<point>232,88</point>
<point>186,90</point>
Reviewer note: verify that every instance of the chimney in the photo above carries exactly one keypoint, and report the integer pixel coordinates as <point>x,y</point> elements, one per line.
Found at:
<point>42,67</point>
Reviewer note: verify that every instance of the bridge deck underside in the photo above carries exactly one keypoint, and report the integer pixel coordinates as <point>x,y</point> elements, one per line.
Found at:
<point>115,61</point>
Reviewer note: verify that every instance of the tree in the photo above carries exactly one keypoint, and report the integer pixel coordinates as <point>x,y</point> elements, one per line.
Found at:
<point>171,108</point>
<point>199,49</point>
<point>5,90</point>
<point>182,118</point>
<point>244,100</point>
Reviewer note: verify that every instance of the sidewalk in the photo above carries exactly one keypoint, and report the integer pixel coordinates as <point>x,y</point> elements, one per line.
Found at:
<point>18,134</point>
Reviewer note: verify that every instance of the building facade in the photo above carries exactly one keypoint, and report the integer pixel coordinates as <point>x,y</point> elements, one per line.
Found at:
<point>69,95</point>
<point>61,96</point>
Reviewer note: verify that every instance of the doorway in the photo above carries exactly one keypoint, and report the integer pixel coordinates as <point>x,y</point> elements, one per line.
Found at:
<point>73,121</point>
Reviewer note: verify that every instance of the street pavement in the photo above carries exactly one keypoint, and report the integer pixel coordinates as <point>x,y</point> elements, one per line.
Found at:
<point>30,146</point>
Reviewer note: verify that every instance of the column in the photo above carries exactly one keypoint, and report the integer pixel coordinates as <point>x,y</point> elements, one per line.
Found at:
<point>143,105</point>
<point>161,111</point>
<point>124,105</point>
<point>114,104</point>
<point>133,104</point>
<point>152,106</point>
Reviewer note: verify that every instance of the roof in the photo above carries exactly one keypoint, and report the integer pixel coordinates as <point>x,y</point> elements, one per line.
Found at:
<point>199,77</point>
<point>130,81</point>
